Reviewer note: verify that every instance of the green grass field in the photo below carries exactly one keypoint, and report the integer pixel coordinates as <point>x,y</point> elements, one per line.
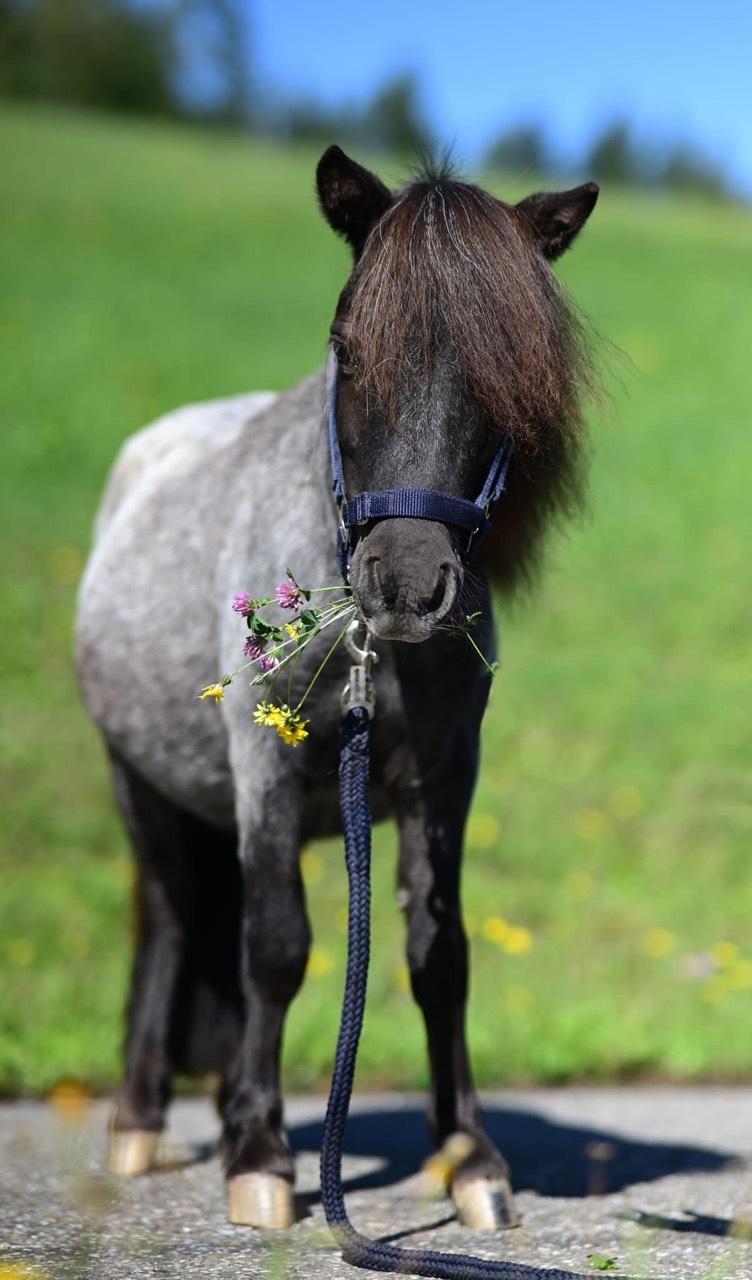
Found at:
<point>608,879</point>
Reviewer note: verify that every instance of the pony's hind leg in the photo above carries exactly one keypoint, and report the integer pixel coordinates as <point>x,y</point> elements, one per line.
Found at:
<point>184,978</point>
<point>431,822</point>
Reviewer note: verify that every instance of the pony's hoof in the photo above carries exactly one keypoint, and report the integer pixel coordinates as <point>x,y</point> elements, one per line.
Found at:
<point>260,1200</point>
<point>132,1151</point>
<point>485,1204</point>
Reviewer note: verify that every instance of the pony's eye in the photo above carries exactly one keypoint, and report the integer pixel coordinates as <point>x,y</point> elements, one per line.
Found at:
<point>346,365</point>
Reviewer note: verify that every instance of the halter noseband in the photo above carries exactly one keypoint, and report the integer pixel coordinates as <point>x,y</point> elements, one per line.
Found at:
<point>420,504</point>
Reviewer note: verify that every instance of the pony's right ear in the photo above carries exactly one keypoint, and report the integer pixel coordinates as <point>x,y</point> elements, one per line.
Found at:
<point>352,198</point>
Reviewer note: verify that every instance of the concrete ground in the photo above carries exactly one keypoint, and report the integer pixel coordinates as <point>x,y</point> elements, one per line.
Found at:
<point>659,1179</point>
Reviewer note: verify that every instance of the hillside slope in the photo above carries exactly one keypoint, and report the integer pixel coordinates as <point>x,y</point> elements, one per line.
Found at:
<point>609,880</point>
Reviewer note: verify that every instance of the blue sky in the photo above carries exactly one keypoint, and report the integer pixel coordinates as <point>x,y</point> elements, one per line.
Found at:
<point>677,70</point>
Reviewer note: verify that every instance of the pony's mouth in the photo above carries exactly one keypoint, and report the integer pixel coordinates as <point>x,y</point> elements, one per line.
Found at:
<point>410,628</point>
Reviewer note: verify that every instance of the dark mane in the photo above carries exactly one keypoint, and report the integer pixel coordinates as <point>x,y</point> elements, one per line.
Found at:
<point>450,267</point>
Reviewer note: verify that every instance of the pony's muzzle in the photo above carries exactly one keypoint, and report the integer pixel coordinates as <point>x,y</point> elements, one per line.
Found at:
<point>405,578</point>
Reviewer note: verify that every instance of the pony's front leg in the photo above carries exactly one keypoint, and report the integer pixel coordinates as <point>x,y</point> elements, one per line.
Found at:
<point>275,942</point>
<point>431,820</point>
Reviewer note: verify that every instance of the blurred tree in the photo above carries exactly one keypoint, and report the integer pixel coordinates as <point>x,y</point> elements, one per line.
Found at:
<point>393,120</point>
<point>308,120</point>
<point>94,52</point>
<point>613,157</point>
<point>687,169</point>
<point>521,149</point>
<point>213,38</point>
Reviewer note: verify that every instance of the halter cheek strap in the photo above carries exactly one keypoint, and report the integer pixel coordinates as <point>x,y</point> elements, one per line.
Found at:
<point>420,504</point>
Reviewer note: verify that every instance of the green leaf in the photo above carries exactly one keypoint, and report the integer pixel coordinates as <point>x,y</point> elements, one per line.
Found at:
<point>309,618</point>
<point>602,1263</point>
<point>259,626</point>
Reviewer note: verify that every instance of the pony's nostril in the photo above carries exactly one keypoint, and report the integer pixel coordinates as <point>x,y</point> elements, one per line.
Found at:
<point>430,604</point>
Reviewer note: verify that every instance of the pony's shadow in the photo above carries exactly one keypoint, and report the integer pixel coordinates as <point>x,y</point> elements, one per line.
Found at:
<point>549,1158</point>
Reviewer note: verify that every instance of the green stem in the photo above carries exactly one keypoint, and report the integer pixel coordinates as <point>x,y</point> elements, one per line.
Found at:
<point>491,670</point>
<point>340,637</point>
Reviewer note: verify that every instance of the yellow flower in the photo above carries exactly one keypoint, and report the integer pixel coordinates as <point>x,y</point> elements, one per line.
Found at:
<point>291,629</point>
<point>724,954</point>
<point>658,942</point>
<point>292,733</point>
<point>591,824</point>
<point>311,866</point>
<point>495,929</point>
<point>518,940</point>
<point>287,722</point>
<point>216,691</point>
<point>579,886</point>
<point>320,962</point>
<point>739,975</point>
<point>266,713</point>
<point>482,831</point>
<point>401,978</point>
<point>518,1000</point>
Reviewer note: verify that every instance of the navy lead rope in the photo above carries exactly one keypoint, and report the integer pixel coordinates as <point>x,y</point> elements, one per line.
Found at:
<point>357,1249</point>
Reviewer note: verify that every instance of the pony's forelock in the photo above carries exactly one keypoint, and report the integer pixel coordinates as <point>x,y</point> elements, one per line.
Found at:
<point>450,269</point>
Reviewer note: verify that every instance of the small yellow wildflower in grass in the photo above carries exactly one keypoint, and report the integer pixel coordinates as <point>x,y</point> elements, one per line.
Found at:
<point>70,1099</point>
<point>495,929</point>
<point>291,629</point>
<point>216,691</point>
<point>518,1001</point>
<point>591,824</point>
<point>20,1271</point>
<point>402,978</point>
<point>320,962</point>
<point>482,831</point>
<point>658,942</point>
<point>518,941</point>
<point>724,954</point>
<point>66,565</point>
<point>21,952</point>
<point>625,802</point>
<point>579,886</point>
<point>77,945</point>
<point>311,867</point>
<point>739,975</point>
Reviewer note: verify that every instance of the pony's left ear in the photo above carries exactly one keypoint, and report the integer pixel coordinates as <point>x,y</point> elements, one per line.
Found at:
<point>557,216</point>
<point>352,198</point>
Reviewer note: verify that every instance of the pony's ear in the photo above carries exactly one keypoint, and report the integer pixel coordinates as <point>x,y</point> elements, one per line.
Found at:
<point>352,199</point>
<point>557,216</point>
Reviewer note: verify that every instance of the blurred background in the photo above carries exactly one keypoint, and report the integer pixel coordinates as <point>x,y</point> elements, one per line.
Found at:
<point>161,244</point>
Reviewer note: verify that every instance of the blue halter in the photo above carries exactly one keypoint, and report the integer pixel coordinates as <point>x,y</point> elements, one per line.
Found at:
<point>420,504</point>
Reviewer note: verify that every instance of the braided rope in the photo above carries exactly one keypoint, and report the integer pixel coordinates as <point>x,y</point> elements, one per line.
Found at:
<point>357,1249</point>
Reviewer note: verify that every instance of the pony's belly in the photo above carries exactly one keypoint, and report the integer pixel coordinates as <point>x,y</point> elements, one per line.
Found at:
<point>321,816</point>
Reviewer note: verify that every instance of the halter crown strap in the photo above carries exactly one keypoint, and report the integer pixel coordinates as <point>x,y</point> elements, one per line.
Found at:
<point>421,504</point>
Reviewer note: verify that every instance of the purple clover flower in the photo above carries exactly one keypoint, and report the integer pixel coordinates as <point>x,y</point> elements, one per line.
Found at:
<point>268,662</point>
<point>289,595</point>
<point>243,604</point>
<point>253,648</point>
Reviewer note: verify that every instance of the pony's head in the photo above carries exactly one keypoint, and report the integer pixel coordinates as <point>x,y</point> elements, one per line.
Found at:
<point>452,332</point>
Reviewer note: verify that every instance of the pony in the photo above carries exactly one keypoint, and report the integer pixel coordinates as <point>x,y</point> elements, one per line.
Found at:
<point>451,333</point>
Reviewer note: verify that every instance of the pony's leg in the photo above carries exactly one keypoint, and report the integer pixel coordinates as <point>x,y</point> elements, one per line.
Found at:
<point>163,894</point>
<point>431,822</point>
<point>275,944</point>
